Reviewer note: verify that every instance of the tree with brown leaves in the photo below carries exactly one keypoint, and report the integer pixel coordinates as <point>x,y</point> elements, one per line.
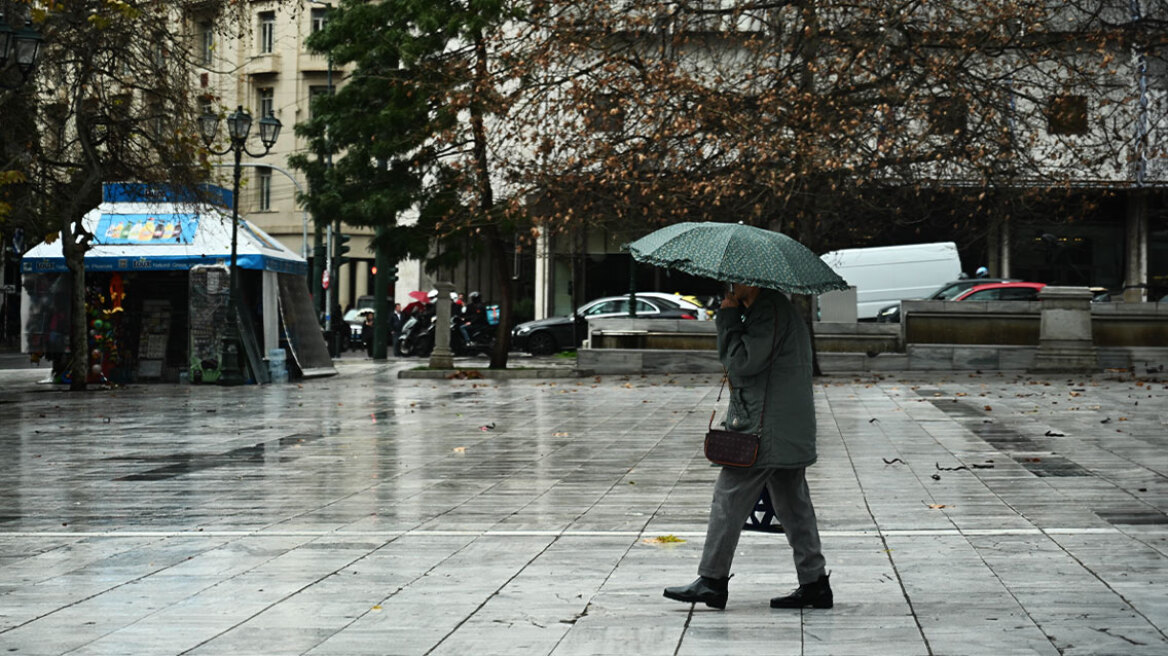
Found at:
<point>115,102</point>
<point>831,121</point>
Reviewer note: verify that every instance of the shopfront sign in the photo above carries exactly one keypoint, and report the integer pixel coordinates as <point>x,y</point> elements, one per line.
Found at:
<point>147,228</point>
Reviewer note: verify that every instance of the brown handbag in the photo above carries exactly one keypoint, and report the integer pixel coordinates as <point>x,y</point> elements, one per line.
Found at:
<point>733,448</point>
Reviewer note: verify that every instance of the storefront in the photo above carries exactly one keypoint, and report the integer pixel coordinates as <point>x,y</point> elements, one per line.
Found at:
<point>157,291</point>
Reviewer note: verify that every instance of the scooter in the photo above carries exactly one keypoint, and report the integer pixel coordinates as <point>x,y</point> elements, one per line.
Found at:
<point>482,338</point>
<point>417,336</point>
<point>480,342</point>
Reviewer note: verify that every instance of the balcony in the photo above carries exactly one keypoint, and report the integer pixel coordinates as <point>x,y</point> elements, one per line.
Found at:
<point>265,64</point>
<point>308,62</point>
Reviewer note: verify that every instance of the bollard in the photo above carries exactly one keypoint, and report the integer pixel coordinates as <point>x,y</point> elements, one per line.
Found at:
<point>441,357</point>
<point>1065,339</point>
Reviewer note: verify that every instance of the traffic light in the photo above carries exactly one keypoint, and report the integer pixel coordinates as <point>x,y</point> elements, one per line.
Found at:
<point>393,273</point>
<point>342,249</point>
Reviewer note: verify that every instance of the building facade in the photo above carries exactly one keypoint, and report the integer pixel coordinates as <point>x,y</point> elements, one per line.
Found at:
<point>266,67</point>
<point>1122,244</point>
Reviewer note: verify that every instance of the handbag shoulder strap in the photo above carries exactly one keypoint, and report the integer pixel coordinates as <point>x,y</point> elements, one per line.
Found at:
<point>766,393</point>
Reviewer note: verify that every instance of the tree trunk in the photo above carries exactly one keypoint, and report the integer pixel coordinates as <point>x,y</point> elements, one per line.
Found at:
<point>75,240</point>
<point>502,267</point>
<point>487,205</point>
<point>79,326</point>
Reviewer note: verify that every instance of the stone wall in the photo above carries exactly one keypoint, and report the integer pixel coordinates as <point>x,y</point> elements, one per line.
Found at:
<point>1017,323</point>
<point>936,336</point>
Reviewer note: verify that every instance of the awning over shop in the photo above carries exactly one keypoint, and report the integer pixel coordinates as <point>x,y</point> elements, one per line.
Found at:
<point>165,232</point>
<point>140,229</point>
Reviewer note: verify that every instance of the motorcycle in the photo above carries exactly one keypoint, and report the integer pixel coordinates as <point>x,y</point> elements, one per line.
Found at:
<point>417,336</point>
<point>482,338</point>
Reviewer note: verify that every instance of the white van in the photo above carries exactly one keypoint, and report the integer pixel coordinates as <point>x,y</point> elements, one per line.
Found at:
<point>883,275</point>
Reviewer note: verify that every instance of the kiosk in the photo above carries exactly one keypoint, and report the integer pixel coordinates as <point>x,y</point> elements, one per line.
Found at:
<point>157,284</point>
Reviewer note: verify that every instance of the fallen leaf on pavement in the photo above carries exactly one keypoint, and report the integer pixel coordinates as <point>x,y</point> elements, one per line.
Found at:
<point>663,539</point>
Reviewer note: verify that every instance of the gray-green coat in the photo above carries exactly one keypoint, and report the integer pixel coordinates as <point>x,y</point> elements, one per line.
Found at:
<point>744,347</point>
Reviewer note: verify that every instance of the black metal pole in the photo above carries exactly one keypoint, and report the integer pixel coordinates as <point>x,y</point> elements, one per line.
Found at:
<point>381,300</point>
<point>230,369</point>
<point>235,226</point>
<point>338,323</point>
<point>632,287</point>
<point>318,258</point>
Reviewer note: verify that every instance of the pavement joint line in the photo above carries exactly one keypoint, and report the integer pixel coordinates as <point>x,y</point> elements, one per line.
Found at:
<point>535,533</point>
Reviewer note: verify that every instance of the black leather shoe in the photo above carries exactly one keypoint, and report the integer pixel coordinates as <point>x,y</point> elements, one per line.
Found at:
<point>809,595</point>
<point>711,592</point>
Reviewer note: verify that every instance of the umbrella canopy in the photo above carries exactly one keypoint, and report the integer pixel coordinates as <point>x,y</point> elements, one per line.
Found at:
<point>418,296</point>
<point>738,253</point>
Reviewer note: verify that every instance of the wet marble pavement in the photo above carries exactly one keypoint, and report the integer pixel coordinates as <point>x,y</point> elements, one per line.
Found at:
<point>960,514</point>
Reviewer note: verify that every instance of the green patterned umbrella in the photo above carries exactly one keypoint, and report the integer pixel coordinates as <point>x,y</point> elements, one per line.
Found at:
<point>738,253</point>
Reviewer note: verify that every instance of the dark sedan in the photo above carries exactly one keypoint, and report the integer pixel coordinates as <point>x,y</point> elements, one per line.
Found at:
<point>554,334</point>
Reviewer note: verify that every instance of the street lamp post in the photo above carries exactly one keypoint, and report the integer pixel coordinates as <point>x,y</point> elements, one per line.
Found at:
<point>21,46</point>
<point>330,249</point>
<point>238,127</point>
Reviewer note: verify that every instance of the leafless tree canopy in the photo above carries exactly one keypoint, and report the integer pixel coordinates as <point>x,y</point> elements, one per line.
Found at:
<point>806,115</point>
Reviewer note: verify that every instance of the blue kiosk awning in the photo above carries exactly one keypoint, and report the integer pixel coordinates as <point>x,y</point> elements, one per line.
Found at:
<point>143,228</point>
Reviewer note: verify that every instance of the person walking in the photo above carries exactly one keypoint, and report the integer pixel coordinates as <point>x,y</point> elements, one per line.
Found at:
<point>766,349</point>
<point>367,331</point>
<point>396,319</point>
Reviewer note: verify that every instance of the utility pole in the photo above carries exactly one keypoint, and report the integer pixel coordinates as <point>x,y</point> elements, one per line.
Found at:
<point>339,259</point>
<point>322,246</point>
<point>381,305</point>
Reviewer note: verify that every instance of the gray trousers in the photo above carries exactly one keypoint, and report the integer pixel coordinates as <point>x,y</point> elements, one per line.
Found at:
<point>735,495</point>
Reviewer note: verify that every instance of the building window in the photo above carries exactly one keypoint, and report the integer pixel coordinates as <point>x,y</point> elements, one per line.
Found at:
<point>264,188</point>
<point>155,120</point>
<point>1156,71</point>
<point>1067,115</point>
<point>319,19</point>
<point>160,55</point>
<point>206,43</point>
<point>267,32</point>
<point>947,115</point>
<point>267,102</point>
<point>605,114</point>
<point>315,92</point>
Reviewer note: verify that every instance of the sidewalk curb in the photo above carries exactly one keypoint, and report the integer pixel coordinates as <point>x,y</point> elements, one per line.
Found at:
<point>471,373</point>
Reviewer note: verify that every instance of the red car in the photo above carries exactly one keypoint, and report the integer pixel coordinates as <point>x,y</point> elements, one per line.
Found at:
<point>1002,291</point>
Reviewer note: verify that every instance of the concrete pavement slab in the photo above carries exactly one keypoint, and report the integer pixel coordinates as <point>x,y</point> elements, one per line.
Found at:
<point>367,514</point>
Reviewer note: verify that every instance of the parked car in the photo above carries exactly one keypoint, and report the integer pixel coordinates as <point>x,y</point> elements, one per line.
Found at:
<point>685,301</point>
<point>947,292</point>
<point>554,334</point>
<point>1002,291</point>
